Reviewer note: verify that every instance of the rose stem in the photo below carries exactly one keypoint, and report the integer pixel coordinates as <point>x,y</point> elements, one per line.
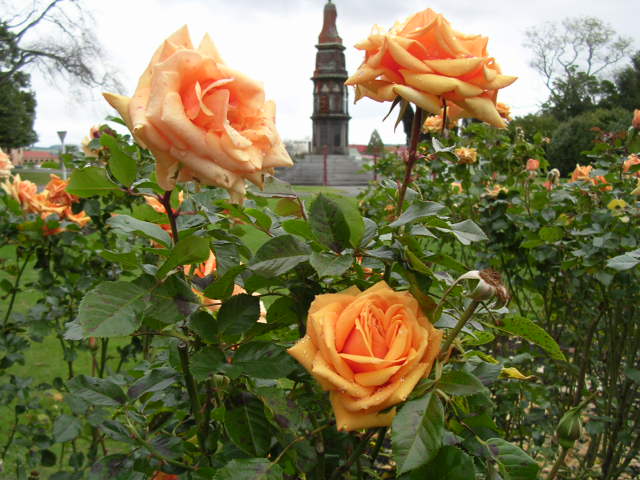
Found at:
<point>166,202</point>
<point>354,456</point>
<point>466,315</point>
<point>411,158</point>
<point>382,431</point>
<point>558,464</point>
<point>183,347</point>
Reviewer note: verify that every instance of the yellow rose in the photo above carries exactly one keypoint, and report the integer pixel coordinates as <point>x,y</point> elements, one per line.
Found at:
<point>202,120</point>
<point>369,349</point>
<point>425,61</point>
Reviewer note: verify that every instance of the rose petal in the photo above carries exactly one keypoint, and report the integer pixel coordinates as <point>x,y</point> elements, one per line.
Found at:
<point>376,377</point>
<point>426,101</point>
<point>346,420</point>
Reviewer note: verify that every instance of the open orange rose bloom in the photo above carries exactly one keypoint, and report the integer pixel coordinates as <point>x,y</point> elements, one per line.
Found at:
<point>425,61</point>
<point>369,349</point>
<point>202,120</point>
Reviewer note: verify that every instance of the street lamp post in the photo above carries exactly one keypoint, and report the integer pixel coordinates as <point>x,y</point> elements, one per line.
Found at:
<point>61,135</point>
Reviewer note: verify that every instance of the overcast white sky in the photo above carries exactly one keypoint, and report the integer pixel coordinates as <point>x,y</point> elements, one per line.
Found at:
<point>274,41</point>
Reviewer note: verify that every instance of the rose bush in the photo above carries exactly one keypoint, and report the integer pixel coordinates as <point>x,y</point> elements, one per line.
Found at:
<point>201,119</point>
<point>369,349</point>
<point>425,61</point>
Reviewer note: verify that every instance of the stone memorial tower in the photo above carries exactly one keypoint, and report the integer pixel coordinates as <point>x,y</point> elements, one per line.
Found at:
<point>330,97</point>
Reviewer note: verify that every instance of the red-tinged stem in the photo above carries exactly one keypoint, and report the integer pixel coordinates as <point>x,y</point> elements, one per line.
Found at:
<point>411,158</point>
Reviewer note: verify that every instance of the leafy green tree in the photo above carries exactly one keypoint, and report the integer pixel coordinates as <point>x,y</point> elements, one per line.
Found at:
<point>578,134</point>
<point>627,82</point>
<point>17,113</point>
<point>571,56</point>
<point>376,145</point>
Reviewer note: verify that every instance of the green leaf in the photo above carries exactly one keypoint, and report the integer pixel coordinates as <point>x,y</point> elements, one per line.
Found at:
<point>97,391</point>
<point>551,234</point>
<point>355,222</point>
<point>287,207</point>
<point>112,309</point>
<point>126,259</point>
<point>122,166</point>
<point>207,361</point>
<point>249,469</point>
<point>527,329</point>
<point>513,462</point>
<point>222,288</point>
<point>238,314</point>
<point>417,210</point>
<point>262,360</point>
<point>158,379</point>
<point>459,382</point>
<point>329,224</point>
<point>118,466</point>
<point>90,181</point>
<point>247,425</point>
<point>66,428</point>
<point>450,463</point>
<point>188,251</point>
<point>467,232</point>
<point>279,255</point>
<point>632,374</point>
<point>623,262</point>
<point>298,227</point>
<point>127,224</point>
<point>416,433</point>
<point>205,326</point>
<point>328,265</point>
<point>169,302</point>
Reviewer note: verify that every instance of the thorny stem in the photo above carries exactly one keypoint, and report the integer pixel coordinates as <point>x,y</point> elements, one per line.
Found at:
<point>355,455</point>
<point>166,202</point>
<point>103,356</point>
<point>558,464</point>
<point>376,449</point>
<point>466,315</point>
<point>11,436</point>
<point>411,158</point>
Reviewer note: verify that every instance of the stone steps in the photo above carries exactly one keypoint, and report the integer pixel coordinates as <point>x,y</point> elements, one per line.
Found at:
<point>341,170</point>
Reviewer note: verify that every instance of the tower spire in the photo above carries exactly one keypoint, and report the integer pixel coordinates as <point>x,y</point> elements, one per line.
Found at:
<point>329,33</point>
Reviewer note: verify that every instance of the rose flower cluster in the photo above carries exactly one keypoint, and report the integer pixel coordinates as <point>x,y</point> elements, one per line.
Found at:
<point>54,199</point>
<point>201,119</point>
<point>369,349</point>
<point>426,62</point>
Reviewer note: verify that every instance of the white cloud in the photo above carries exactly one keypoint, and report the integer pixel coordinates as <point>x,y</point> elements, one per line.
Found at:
<point>275,42</point>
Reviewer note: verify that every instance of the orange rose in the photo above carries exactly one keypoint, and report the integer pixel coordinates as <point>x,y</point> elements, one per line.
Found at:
<point>425,61</point>
<point>164,476</point>
<point>635,122</point>
<point>457,187</point>
<point>369,349</point>
<point>631,160</point>
<point>466,155</point>
<point>584,173</point>
<point>202,120</point>
<point>5,165</point>
<point>495,190</point>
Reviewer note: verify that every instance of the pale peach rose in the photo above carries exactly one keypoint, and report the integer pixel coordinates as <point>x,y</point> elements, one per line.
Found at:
<point>369,349</point>
<point>432,124</point>
<point>94,133</point>
<point>425,61</point>
<point>504,111</point>
<point>495,190</point>
<point>635,122</point>
<point>533,164</point>
<point>466,155</point>
<point>583,173</point>
<point>5,165</point>
<point>631,160</point>
<point>201,119</point>
<point>457,187</point>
